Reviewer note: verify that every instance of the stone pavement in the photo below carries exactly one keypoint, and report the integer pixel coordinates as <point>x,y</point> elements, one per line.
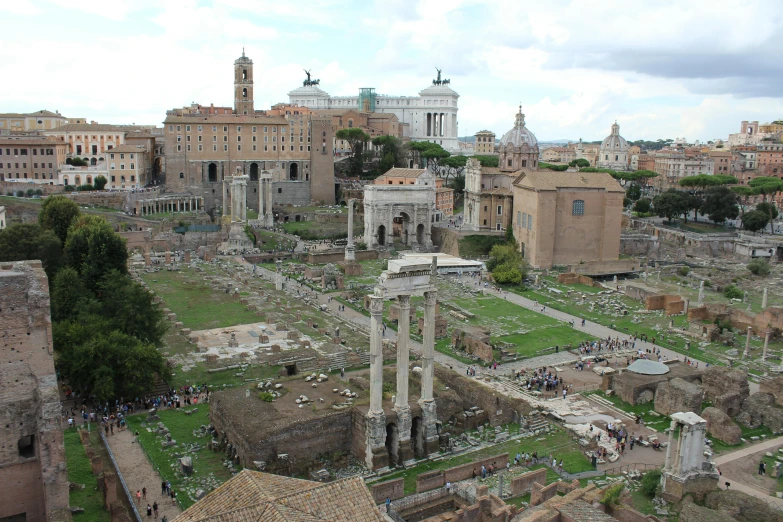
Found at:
<point>746,452</point>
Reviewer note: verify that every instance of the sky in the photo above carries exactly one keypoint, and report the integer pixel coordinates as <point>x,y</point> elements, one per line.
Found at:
<point>661,69</point>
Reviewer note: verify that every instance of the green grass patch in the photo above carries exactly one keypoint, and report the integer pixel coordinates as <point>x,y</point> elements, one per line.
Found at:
<point>473,246</point>
<point>80,472</point>
<point>643,410</point>
<point>199,374</point>
<point>198,306</point>
<point>181,426</point>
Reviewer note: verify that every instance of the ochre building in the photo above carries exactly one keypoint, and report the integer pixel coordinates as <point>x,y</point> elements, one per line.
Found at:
<point>564,218</point>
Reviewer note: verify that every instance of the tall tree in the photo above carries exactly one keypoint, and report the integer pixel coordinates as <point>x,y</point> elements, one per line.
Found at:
<point>720,204</point>
<point>392,152</point>
<point>430,152</point>
<point>754,220</point>
<point>744,193</point>
<point>453,166</point>
<point>23,241</point>
<point>93,249</point>
<point>767,186</point>
<point>487,161</point>
<point>671,204</point>
<point>356,139</point>
<point>57,213</point>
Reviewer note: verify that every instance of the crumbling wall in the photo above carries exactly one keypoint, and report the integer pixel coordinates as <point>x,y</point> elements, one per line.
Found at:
<point>540,494</point>
<point>32,451</point>
<point>474,340</point>
<point>521,484</point>
<point>720,426</point>
<point>773,386</point>
<point>678,395</point>
<point>671,304</point>
<point>759,410</point>
<point>719,380</point>
<point>392,489</point>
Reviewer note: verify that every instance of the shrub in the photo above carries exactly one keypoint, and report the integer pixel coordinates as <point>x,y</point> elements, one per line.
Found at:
<point>627,202</point>
<point>266,396</point>
<point>69,188</point>
<point>708,283</point>
<point>759,267</point>
<point>732,292</point>
<point>361,245</point>
<point>642,206</point>
<point>724,324</point>
<point>684,270</point>
<point>650,482</point>
<point>611,496</point>
<point>20,193</point>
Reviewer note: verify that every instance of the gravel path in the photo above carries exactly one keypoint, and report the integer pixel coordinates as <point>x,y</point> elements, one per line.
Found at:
<point>139,473</point>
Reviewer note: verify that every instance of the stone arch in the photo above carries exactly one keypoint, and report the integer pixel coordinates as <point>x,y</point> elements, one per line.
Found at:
<point>382,235</point>
<point>254,172</point>
<point>420,234</point>
<point>405,228</point>
<point>93,161</point>
<point>212,172</point>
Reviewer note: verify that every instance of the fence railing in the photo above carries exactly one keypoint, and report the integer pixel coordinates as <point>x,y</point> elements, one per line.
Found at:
<point>116,467</point>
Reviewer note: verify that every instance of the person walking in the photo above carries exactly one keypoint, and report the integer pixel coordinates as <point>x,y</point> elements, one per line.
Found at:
<point>163,487</point>
<point>149,511</point>
<point>138,497</point>
<point>155,509</point>
<point>144,493</point>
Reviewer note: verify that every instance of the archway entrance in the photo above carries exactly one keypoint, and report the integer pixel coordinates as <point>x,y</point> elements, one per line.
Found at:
<point>382,235</point>
<point>254,172</point>
<point>420,234</point>
<point>93,161</point>
<point>212,173</point>
<point>417,437</point>
<point>393,444</point>
<point>294,170</point>
<point>403,230</point>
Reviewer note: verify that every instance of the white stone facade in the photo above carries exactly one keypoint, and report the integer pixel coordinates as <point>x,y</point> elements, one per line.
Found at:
<point>431,116</point>
<point>613,153</point>
<point>414,205</point>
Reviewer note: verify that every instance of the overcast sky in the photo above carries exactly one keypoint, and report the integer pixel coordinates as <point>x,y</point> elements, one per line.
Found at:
<point>662,69</point>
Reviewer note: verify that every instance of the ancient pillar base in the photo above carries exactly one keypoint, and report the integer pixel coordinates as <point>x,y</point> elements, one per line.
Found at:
<point>350,253</point>
<point>430,426</point>
<point>269,221</point>
<point>405,453</point>
<point>376,455</point>
<point>404,423</point>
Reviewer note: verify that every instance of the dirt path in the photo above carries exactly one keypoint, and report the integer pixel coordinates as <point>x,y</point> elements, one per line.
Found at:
<point>740,469</point>
<point>139,473</point>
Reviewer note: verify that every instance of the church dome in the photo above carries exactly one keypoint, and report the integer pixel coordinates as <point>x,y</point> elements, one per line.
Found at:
<point>519,136</point>
<point>614,142</point>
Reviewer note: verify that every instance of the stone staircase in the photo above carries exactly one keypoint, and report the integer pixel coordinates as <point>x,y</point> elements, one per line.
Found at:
<point>513,389</point>
<point>536,422</point>
<point>334,361</point>
<point>607,405</point>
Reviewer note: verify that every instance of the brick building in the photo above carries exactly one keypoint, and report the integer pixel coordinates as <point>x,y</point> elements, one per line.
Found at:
<point>769,157</point>
<point>485,142</point>
<point>32,451</point>
<point>30,158</point>
<point>295,149</point>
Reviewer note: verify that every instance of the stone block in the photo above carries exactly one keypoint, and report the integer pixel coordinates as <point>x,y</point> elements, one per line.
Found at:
<point>678,395</point>
<point>718,380</point>
<point>720,426</point>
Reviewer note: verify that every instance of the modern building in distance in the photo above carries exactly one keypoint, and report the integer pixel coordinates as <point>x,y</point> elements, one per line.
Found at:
<point>558,154</point>
<point>32,454</point>
<point>431,116</point>
<point>565,218</point>
<point>485,143</point>
<point>675,164</point>
<point>32,121</point>
<point>613,153</point>
<point>769,157</point>
<point>296,150</point>
<point>31,158</point>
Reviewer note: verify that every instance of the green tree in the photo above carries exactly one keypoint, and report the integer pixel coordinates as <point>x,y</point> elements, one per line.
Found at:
<point>754,220</point>
<point>68,294</point>
<point>671,204</point>
<point>743,193</point>
<point>392,152</point>
<point>94,249</point>
<point>57,213</point>
<point>634,191</point>
<point>767,186</point>
<point>432,153</point>
<point>131,308</point>
<point>356,139</point>
<point>732,292</point>
<point>720,204</point>
<point>24,241</point>
<point>579,163</point>
<point>454,165</point>
<point>702,181</point>
<point>506,264</point>
<point>100,182</point>
<point>642,206</point>
<point>487,161</point>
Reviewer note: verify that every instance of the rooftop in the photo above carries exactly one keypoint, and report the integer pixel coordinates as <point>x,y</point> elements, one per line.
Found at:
<point>550,180</point>
<point>403,173</point>
<point>647,367</point>
<point>127,148</point>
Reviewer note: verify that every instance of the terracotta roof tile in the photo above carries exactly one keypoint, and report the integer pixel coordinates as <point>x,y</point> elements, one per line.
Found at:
<point>551,180</point>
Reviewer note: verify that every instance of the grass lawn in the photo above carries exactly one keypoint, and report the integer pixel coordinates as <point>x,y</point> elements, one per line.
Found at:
<point>557,443</point>
<point>198,306</point>
<point>198,374</point>
<point>658,423</point>
<point>205,462</point>
<point>80,472</point>
<point>642,503</point>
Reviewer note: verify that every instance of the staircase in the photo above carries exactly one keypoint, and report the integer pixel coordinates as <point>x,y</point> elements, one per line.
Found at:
<point>606,404</point>
<point>536,423</point>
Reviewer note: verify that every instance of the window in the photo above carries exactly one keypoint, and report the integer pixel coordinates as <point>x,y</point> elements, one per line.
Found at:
<point>529,221</point>
<point>199,137</point>
<point>266,129</point>
<point>132,166</point>
<point>214,148</point>
<point>122,166</point>
<point>239,147</point>
<point>112,179</point>
<point>225,148</point>
<point>199,128</point>
<point>214,139</point>
<point>239,138</point>
<point>616,157</point>
<point>578,207</point>
<point>255,128</point>
<point>199,148</point>
<point>187,128</point>
<point>279,191</point>
<point>509,163</point>
<point>500,210</point>
<point>524,163</point>
<point>239,129</point>
<point>519,219</point>
<point>485,208</point>
<point>214,128</point>
<point>225,128</point>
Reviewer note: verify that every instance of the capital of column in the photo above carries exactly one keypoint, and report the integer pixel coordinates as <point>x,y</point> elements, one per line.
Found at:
<point>431,297</point>
<point>404,302</point>
<point>376,305</point>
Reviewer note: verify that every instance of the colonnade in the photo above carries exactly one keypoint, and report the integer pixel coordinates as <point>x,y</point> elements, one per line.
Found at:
<point>437,123</point>
<point>171,204</point>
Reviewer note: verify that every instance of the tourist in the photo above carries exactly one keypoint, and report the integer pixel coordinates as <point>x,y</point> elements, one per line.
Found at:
<point>173,498</point>
<point>155,509</point>
<point>149,511</point>
<point>388,504</point>
<point>163,487</point>
<point>138,497</point>
<point>144,493</point>
<point>762,468</point>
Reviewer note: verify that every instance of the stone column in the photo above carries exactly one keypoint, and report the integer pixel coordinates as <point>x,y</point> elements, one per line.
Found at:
<point>701,292</point>
<point>261,199</point>
<point>685,310</point>
<point>766,345</point>
<point>401,406</point>
<point>350,251</point>
<point>764,299</point>
<point>747,345</point>
<point>376,456</point>
<point>278,274</point>
<point>427,402</point>
<point>223,192</point>
<point>269,218</point>
<point>667,462</point>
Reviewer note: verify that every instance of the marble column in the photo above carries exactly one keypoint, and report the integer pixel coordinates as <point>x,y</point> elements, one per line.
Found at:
<point>224,190</point>
<point>427,401</point>
<point>401,407</point>
<point>667,462</point>
<point>701,292</point>
<point>747,345</point>
<point>278,274</point>
<point>764,299</point>
<point>376,456</point>
<point>269,218</point>
<point>766,345</point>
<point>685,310</point>
<point>350,250</point>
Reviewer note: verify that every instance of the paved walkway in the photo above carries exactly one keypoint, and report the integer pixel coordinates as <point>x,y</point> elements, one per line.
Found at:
<point>139,473</point>
<point>746,452</point>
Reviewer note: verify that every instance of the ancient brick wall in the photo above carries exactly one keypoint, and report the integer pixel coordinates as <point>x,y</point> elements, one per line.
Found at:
<point>521,484</point>
<point>627,514</point>
<point>392,489</point>
<point>465,471</point>
<point>32,452</point>
<point>337,256</point>
<point>540,494</point>
<point>13,186</point>
<point>430,480</point>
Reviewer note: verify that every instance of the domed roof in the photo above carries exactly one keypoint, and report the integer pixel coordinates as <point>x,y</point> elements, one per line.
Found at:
<point>648,367</point>
<point>520,135</point>
<point>614,141</point>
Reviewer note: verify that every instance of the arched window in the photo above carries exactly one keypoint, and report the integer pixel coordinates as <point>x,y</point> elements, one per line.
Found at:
<point>244,74</point>
<point>181,175</point>
<point>524,163</point>
<point>578,207</point>
<point>350,123</point>
<point>244,92</point>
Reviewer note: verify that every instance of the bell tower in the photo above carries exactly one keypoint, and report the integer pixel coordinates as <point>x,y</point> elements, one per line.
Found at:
<point>243,85</point>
